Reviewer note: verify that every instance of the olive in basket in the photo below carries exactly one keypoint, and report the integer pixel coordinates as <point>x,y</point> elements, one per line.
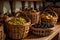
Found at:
<point>42,29</point>
<point>17,21</point>
<point>43,25</point>
<point>17,27</point>
<point>49,17</point>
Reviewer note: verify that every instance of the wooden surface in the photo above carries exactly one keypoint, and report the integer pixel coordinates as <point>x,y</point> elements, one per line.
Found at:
<point>56,30</point>
<point>56,37</point>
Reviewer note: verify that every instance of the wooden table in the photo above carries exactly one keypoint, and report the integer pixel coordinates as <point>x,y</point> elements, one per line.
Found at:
<point>56,30</point>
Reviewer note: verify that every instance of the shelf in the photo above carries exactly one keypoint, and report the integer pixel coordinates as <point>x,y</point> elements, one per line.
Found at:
<point>55,29</point>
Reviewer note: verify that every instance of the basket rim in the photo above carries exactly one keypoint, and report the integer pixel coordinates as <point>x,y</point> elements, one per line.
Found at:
<point>29,22</point>
<point>40,28</point>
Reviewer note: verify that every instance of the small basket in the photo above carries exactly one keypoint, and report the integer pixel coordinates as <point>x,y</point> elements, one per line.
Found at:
<point>41,31</point>
<point>2,36</point>
<point>53,12</point>
<point>17,31</point>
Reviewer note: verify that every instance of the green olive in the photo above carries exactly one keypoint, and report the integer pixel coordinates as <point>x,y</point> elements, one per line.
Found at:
<point>17,21</point>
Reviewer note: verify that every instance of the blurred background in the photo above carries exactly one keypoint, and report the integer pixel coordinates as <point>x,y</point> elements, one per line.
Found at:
<point>21,4</point>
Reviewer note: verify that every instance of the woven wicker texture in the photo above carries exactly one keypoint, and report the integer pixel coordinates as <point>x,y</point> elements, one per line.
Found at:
<point>17,31</point>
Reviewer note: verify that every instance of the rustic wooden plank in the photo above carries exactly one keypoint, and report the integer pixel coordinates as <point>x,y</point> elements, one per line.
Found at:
<point>56,37</point>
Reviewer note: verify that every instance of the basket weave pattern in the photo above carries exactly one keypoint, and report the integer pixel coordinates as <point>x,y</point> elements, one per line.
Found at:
<point>35,17</point>
<point>17,31</point>
<point>41,31</point>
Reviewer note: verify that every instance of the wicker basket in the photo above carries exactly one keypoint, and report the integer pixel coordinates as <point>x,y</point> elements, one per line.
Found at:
<point>52,20</point>
<point>41,31</point>
<point>34,16</point>
<point>2,36</point>
<point>51,10</point>
<point>17,31</point>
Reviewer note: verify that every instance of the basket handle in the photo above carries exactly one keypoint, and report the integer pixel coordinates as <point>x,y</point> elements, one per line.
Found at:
<point>55,13</point>
<point>52,11</point>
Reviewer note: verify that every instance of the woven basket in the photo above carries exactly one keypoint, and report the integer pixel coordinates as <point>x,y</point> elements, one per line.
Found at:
<point>53,12</point>
<point>17,31</point>
<point>2,36</point>
<point>34,16</point>
<point>53,20</point>
<point>41,31</point>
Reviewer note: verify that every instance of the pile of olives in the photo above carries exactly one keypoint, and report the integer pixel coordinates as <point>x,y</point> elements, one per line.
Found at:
<point>43,25</point>
<point>17,21</point>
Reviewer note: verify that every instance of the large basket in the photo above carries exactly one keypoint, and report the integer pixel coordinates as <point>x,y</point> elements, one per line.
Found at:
<point>17,31</point>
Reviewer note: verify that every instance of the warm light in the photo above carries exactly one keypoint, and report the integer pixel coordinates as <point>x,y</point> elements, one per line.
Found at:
<point>47,17</point>
<point>51,16</point>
